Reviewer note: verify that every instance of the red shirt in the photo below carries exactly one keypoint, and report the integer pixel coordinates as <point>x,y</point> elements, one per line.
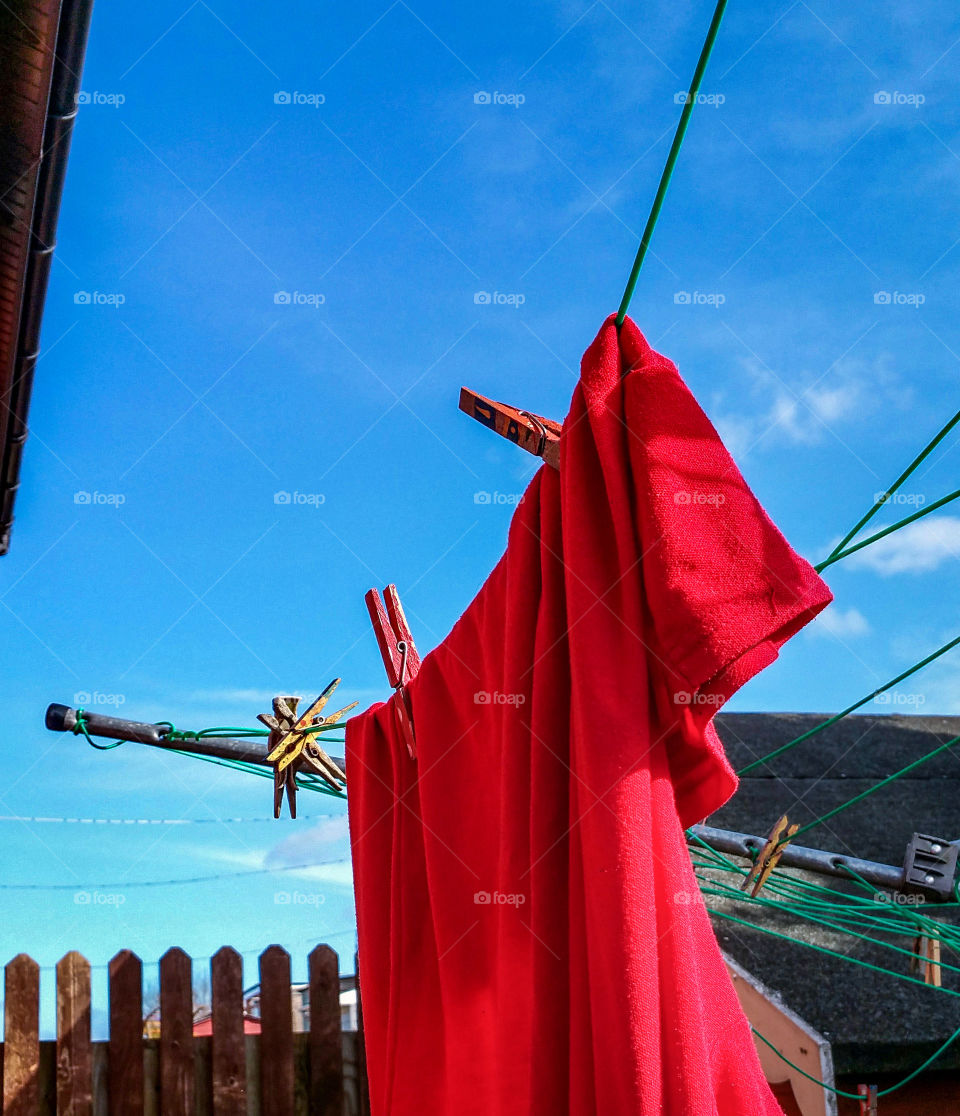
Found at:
<point>532,936</point>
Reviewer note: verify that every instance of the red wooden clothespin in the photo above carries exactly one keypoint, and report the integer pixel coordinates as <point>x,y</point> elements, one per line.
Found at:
<point>399,654</point>
<point>868,1099</point>
<point>534,433</point>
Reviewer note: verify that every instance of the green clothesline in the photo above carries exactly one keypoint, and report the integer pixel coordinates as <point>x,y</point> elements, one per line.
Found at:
<point>672,158</point>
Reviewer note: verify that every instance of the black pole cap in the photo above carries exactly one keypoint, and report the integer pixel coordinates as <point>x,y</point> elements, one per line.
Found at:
<point>60,718</point>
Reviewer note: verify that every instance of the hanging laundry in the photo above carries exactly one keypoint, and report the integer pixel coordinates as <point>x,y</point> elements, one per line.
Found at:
<point>532,938</point>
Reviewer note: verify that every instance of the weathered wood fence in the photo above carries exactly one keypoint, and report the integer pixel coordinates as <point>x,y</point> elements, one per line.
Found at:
<point>230,1073</point>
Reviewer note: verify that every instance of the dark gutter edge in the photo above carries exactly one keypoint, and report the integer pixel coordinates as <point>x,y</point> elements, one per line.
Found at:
<point>72,31</point>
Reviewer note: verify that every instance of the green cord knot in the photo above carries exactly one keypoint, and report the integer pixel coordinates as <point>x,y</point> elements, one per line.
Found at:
<point>80,728</point>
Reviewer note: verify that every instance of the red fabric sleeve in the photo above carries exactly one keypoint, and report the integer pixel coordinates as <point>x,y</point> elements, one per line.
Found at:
<point>723,588</point>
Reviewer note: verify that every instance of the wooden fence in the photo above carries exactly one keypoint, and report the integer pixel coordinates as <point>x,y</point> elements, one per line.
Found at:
<point>274,1073</point>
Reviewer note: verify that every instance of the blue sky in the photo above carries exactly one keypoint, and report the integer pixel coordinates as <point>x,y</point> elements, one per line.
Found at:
<point>273,236</point>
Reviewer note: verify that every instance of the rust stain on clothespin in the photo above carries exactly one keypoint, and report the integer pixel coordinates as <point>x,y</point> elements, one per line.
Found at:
<point>399,654</point>
<point>533,433</point>
<point>769,856</point>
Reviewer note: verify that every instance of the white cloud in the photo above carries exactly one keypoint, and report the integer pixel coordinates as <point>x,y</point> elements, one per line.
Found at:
<point>843,624</point>
<point>320,842</point>
<point>918,548</point>
<point>803,419</point>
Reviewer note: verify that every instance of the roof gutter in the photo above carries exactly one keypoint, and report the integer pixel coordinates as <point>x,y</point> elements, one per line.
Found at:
<point>71,40</point>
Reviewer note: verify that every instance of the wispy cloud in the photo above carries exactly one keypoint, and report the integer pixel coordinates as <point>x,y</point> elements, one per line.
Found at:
<point>321,841</point>
<point>842,623</point>
<point>918,548</point>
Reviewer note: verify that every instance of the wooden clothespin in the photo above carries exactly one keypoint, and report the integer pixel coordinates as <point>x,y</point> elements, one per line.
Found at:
<point>399,654</point>
<point>769,855</point>
<point>926,959</point>
<point>294,745</point>
<point>534,433</point>
<point>868,1099</point>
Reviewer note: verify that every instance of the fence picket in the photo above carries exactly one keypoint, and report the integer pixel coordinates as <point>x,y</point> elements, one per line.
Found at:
<point>229,1050</point>
<point>176,1033</point>
<point>74,1070</point>
<point>276,1039</point>
<point>21,1045</point>
<point>125,1070</point>
<point>326,1045</point>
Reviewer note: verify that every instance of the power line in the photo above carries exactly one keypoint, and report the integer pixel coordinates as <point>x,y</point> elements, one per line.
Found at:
<point>120,885</point>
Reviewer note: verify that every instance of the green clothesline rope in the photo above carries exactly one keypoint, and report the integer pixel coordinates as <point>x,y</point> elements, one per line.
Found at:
<point>850,708</point>
<point>304,781</point>
<point>870,790</point>
<point>837,555</point>
<point>879,503</point>
<point>857,1096</point>
<point>830,952</point>
<point>672,157</point>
